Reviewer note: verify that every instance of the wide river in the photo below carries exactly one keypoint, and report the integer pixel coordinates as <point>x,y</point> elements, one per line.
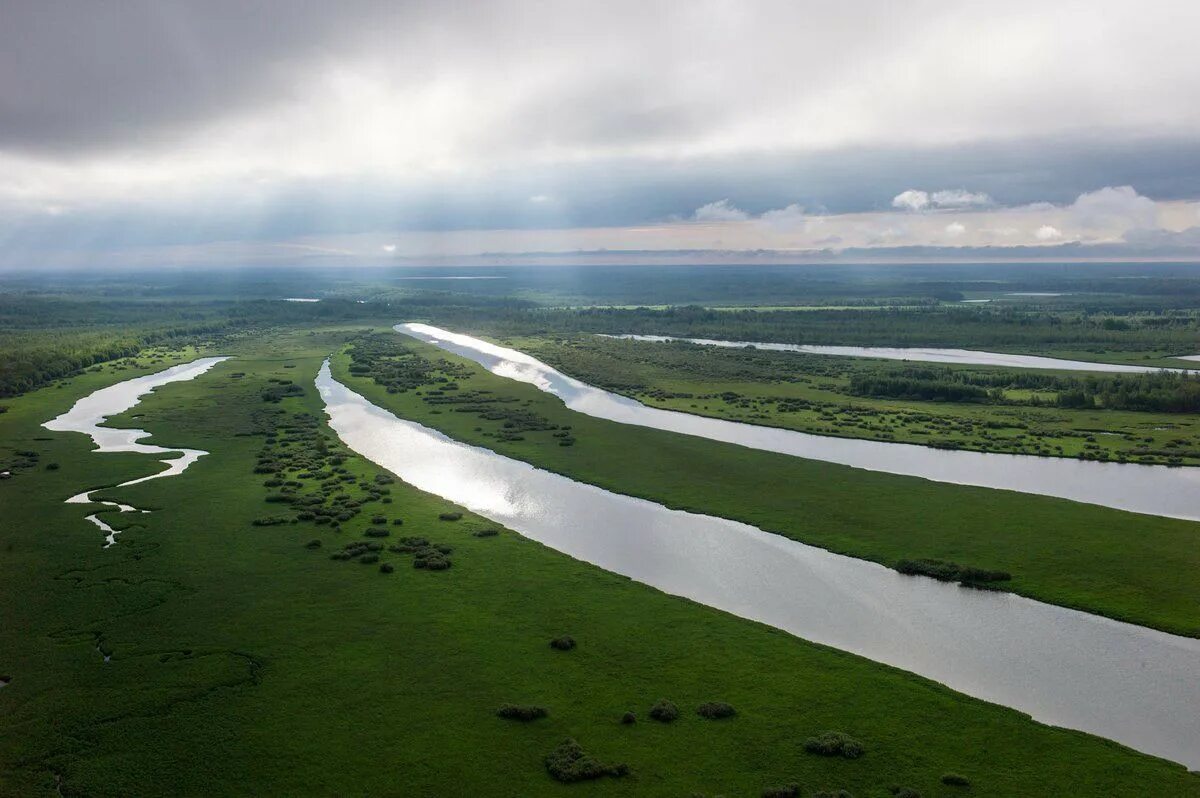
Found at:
<point>1150,489</point>
<point>961,357</point>
<point>1134,685</point>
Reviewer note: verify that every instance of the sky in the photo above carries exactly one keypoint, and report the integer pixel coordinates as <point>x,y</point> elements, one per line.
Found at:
<point>192,132</point>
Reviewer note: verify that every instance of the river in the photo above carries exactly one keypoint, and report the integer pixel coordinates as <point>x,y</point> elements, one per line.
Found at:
<point>1149,489</point>
<point>1134,685</point>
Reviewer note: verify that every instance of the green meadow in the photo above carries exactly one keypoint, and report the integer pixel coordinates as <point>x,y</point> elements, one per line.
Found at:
<point>243,659</point>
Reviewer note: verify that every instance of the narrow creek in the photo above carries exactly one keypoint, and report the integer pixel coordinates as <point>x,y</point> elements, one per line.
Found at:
<point>1134,685</point>
<point>89,414</point>
<point>962,357</point>
<point>1149,489</point>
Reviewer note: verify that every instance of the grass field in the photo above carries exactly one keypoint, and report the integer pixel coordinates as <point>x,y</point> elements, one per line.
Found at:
<point>243,662</point>
<point>1128,566</point>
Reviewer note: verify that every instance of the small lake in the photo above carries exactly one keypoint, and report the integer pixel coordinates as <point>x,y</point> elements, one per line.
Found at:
<point>1150,489</point>
<point>1130,684</point>
<point>960,357</point>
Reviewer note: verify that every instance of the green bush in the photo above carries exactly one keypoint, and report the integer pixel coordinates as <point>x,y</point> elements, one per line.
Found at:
<point>834,744</point>
<point>386,568</point>
<point>955,780</point>
<point>664,711</point>
<point>946,571</point>
<point>397,522</point>
<point>378,519</point>
<point>377,532</point>
<point>486,533</point>
<point>449,516</point>
<point>786,791</point>
<point>570,763</point>
<point>564,643</point>
<point>521,712</point>
<point>832,794</point>
<point>313,544</point>
<point>904,792</point>
<point>628,719</point>
<point>715,710</point>
<point>368,559</point>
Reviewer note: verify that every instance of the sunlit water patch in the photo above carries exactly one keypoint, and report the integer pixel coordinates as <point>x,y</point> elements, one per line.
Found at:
<point>1128,683</point>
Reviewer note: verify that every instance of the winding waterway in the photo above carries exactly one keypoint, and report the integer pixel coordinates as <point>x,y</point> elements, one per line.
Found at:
<point>89,414</point>
<point>1134,685</point>
<point>1150,489</point>
<point>961,357</point>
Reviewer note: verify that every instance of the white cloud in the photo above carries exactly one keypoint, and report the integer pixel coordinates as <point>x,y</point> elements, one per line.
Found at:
<point>911,200</point>
<point>541,199</point>
<point>960,198</point>
<point>389,248</point>
<point>955,229</point>
<point>1047,233</point>
<point>1118,208</point>
<point>720,211</point>
<point>791,218</point>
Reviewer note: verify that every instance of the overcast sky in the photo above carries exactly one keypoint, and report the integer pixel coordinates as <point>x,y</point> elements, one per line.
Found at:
<point>226,131</point>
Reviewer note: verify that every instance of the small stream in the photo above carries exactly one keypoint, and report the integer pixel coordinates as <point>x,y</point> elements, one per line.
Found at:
<point>89,414</point>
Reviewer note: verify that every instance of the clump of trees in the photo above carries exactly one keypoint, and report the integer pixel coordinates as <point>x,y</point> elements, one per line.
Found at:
<point>947,571</point>
<point>715,710</point>
<point>568,763</point>
<point>834,743</point>
<point>521,712</point>
<point>564,643</point>
<point>664,711</point>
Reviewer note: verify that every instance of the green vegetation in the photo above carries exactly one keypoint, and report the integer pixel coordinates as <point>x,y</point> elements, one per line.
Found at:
<point>229,625</point>
<point>1138,568</point>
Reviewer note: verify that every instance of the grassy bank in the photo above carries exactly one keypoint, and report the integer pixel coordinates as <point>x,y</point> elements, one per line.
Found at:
<point>242,661</point>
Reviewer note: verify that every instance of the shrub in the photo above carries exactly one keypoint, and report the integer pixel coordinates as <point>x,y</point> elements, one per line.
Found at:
<point>521,712</point>
<point>386,568</point>
<point>564,643</point>
<point>570,763</point>
<point>664,711</point>
<point>628,719</point>
<point>377,532</point>
<point>715,710</point>
<point>432,563</point>
<point>946,571</point>
<point>378,519</point>
<point>786,791</point>
<point>905,792</point>
<point>449,516</point>
<point>485,533</point>
<point>834,744</point>
<point>52,466</point>
<point>832,794</point>
<point>367,559</point>
<point>313,544</point>
<point>271,520</point>
<point>955,780</point>
<point>397,522</point>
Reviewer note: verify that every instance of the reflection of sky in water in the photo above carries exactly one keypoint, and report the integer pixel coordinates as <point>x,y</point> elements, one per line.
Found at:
<point>1132,684</point>
<point>1156,490</point>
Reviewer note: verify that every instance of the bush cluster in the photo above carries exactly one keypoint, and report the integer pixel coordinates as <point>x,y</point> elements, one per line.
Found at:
<point>564,643</point>
<point>715,710</point>
<point>946,571</point>
<point>521,712</point>
<point>664,711</point>
<point>568,763</point>
<point>834,743</point>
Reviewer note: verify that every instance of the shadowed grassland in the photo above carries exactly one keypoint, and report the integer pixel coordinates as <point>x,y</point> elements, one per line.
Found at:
<point>1139,568</point>
<point>244,661</point>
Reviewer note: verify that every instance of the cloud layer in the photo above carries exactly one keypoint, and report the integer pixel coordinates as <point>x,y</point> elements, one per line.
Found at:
<point>191,123</point>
